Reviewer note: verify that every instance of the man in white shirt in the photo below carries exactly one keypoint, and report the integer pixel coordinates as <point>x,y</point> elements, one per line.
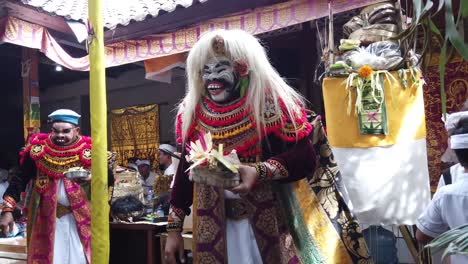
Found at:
<point>147,176</point>
<point>166,157</point>
<point>168,161</point>
<point>132,164</point>
<point>449,207</point>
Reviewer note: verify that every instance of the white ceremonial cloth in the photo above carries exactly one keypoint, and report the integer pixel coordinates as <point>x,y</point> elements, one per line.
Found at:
<point>67,245</point>
<point>241,244</point>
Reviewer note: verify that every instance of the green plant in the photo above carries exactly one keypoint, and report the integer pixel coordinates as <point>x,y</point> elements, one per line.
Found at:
<point>451,37</point>
<point>454,241</point>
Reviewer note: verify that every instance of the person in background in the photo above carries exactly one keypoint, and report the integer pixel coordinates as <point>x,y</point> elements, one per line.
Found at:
<point>449,207</point>
<point>166,155</point>
<point>147,176</point>
<point>132,164</point>
<point>168,160</point>
<point>451,174</point>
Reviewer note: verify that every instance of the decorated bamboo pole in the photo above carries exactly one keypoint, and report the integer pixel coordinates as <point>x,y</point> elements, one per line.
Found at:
<point>331,35</point>
<point>31,108</point>
<point>100,208</point>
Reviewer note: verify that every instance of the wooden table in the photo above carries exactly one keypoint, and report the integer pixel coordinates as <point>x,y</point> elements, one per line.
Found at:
<point>13,250</point>
<point>135,242</point>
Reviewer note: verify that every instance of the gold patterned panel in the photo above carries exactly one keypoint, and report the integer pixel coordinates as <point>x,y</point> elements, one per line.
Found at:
<point>250,23</point>
<point>266,22</point>
<point>190,36</point>
<point>179,40</point>
<point>155,48</point>
<point>167,43</point>
<point>131,50</point>
<point>135,133</point>
<point>456,89</point>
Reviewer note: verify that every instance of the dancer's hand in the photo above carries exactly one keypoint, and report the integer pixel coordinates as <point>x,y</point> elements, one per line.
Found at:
<point>249,176</point>
<point>174,244</point>
<point>7,223</point>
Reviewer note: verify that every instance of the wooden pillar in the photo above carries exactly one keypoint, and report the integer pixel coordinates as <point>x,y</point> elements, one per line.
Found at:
<point>309,62</point>
<point>31,107</point>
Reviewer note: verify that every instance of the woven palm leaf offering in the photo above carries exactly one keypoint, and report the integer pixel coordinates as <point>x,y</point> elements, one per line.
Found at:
<point>212,166</point>
<point>127,183</point>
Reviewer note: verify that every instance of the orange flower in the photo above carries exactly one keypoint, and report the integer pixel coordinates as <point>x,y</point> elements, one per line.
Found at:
<point>365,71</point>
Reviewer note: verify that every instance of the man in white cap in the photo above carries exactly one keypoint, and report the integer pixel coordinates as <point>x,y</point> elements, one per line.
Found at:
<point>450,175</point>
<point>168,160</point>
<point>59,218</point>
<point>147,176</point>
<point>132,164</point>
<point>166,157</point>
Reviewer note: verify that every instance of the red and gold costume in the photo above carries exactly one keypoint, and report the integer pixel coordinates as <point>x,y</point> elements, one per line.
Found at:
<point>232,125</point>
<point>293,212</point>
<point>44,162</point>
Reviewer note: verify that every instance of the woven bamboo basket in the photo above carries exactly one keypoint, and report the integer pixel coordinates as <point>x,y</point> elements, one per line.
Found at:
<point>127,183</point>
<point>218,176</point>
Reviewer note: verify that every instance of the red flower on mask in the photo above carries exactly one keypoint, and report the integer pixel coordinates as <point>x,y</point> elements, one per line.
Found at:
<point>241,68</point>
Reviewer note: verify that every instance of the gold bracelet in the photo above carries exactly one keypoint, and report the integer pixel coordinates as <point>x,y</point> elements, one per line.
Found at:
<point>174,227</point>
<point>261,171</point>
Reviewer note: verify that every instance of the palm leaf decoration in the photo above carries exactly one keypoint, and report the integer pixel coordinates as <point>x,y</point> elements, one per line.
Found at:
<point>454,241</point>
<point>451,38</point>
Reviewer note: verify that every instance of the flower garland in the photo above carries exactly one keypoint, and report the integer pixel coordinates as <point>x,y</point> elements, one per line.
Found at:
<point>53,160</point>
<point>238,129</point>
<point>239,113</point>
<point>365,79</point>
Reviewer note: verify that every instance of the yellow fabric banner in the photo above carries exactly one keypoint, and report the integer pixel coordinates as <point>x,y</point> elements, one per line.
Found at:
<point>405,114</point>
<point>135,133</point>
<point>327,240</point>
<point>100,245</point>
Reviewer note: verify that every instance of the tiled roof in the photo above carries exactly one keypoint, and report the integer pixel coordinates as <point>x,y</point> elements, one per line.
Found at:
<point>116,12</point>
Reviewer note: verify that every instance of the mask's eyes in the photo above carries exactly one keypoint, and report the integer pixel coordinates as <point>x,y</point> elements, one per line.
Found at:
<point>65,131</point>
<point>223,63</point>
<point>206,69</point>
<point>222,66</point>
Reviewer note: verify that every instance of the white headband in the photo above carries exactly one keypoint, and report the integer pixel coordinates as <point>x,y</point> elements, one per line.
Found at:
<point>451,123</point>
<point>459,141</point>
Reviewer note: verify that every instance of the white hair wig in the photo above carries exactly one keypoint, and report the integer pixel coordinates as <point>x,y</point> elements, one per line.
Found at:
<point>264,81</point>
